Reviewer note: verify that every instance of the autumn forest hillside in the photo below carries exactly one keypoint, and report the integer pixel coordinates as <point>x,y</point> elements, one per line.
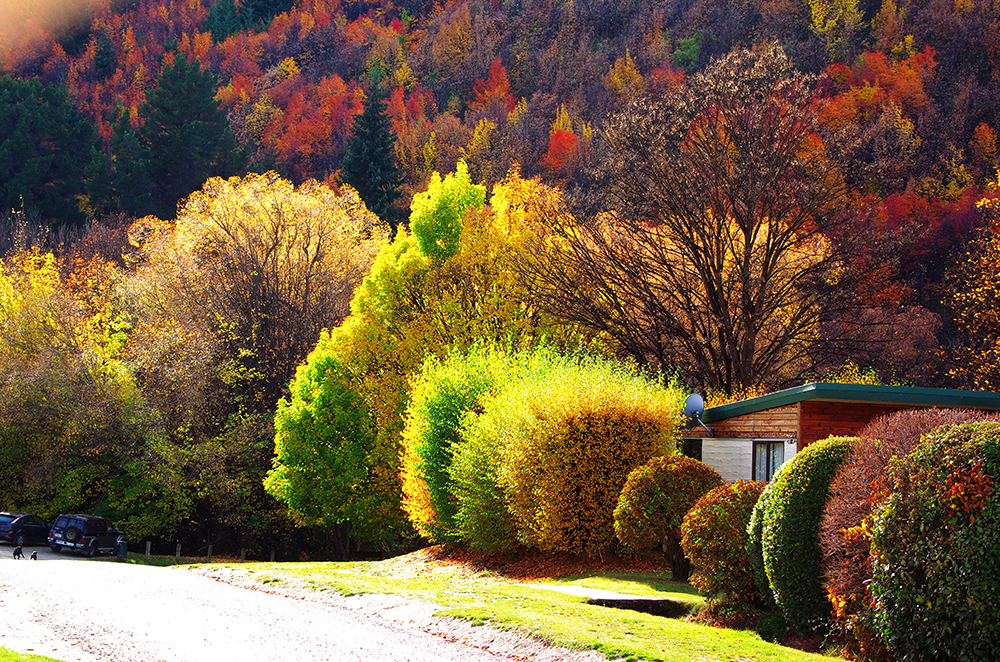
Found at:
<point>527,83</point>
<point>734,196</point>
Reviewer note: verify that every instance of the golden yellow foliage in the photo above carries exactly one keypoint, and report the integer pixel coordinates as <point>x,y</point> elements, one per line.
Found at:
<point>973,291</point>
<point>562,121</point>
<point>262,266</point>
<point>623,77</point>
<point>288,68</point>
<point>572,432</point>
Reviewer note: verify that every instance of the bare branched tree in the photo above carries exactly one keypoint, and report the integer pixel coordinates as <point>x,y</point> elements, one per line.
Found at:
<point>707,246</point>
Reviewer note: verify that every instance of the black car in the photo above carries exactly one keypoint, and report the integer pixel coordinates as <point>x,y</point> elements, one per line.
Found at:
<point>88,534</point>
<point>23,529</point>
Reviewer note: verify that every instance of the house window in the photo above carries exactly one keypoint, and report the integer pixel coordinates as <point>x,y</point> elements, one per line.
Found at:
<point>768,455</point>
<point>691,448</point>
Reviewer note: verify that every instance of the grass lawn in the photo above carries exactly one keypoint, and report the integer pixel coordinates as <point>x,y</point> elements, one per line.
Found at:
<point>483,596</point>
<point>7,655</point>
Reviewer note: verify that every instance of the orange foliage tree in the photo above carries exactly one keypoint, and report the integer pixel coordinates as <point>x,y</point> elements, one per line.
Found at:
<point>494,92</point>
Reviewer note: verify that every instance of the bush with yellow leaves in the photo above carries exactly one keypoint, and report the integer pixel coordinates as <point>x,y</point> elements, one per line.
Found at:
<point>566,434</point>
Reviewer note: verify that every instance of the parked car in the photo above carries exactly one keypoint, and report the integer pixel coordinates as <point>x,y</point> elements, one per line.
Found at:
<point>89,534</point>
<point>23,529</point>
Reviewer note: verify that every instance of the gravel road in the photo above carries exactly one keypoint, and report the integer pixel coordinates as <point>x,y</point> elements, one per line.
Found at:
<point>80,610</point>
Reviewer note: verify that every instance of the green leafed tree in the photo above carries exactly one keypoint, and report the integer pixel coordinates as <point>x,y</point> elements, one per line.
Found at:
<point>322,436</point>
<point>370,162</point>
<point>436,215</point>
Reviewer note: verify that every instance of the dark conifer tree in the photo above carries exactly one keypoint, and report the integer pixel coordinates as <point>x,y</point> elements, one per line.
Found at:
<point>45,149</point>
<point>104,55</point>
<point>224,19</point>
<point>185,136</point>
<point>370,162</point>
<point>119,181</point>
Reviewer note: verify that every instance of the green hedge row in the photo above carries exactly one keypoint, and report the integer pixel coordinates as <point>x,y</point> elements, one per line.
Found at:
<point>936,549</point>
<point>790,532</point>
<point>932,526</point>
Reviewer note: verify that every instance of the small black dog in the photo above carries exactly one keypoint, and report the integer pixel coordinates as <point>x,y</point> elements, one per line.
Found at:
<point>34,556</point>
<point>18,554</point>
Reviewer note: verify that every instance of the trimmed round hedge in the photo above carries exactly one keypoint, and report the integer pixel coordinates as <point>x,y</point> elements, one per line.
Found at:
<point>790,533</point>
<point>936,549</point>
<point>861,485</point>
<point>654,501</point>
<point>755,545</point>
<point>714,538</point>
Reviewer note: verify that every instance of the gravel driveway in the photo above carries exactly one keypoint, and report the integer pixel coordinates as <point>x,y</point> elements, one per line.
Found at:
<point>81,611</point>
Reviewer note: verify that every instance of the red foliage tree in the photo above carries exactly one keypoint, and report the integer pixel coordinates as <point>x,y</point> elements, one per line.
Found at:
<point>308,137</point>
<point>494,92</point>
<point>563,148</point>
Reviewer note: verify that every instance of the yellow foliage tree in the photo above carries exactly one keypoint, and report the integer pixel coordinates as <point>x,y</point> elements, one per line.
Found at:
<point>973,292</point>
<point>74,429</point>
<point>268,265</point>
<point>623,78</point>
<point>837,22</point>
<point>413,305</point>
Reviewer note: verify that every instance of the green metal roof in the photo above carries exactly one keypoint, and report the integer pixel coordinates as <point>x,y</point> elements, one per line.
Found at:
<point>901,395</point>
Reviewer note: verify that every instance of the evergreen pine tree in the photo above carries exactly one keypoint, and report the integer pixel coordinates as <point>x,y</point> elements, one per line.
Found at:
<point>370,162</point>
<point>119,181</point>
<point>104,55</point>
<point>224,19</point>
<point>45,149</point>
<point>185,136</point>
<point>257,14</point>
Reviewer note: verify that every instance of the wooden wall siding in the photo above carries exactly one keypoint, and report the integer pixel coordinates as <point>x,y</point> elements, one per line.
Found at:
<point>777,423</point>
<point>819,420</point>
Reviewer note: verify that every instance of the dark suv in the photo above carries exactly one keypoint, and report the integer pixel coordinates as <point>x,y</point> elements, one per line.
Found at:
<point>84,533</point>
<point>21,529</point>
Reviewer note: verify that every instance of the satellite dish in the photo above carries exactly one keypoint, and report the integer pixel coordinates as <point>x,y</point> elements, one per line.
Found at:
<point>694,407</point>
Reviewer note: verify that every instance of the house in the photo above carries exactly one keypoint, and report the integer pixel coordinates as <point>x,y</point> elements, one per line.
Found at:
<point>751,438</point>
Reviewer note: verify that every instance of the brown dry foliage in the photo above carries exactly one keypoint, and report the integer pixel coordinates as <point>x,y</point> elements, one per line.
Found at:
<point>860,484</point>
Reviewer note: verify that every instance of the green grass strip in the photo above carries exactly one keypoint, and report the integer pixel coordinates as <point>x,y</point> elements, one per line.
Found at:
<point>7,655</point>
<point>564,620</point>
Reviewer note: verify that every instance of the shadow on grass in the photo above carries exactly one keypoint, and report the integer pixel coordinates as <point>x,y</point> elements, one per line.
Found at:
<point>642,583</point>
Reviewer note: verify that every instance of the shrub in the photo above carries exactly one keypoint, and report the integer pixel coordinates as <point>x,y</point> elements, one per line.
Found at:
<point>755,546</point>
<point>714,538</point>
<point>443,391</point>
<point>860,485</point>
<point>790,536</point>
<point>654,501</point>
<point>482,519</point>
<point>562,437</point>
<point>936,548</point>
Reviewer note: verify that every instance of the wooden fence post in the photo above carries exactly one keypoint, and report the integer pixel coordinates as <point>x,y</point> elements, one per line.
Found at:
<point>148,545</point>
<point>177,554</point>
